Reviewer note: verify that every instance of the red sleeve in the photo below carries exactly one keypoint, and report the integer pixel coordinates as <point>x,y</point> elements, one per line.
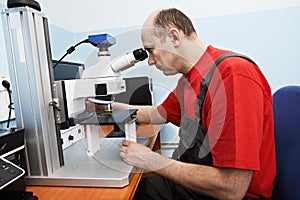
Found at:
<point>238,143</point>
<point>170,109</point>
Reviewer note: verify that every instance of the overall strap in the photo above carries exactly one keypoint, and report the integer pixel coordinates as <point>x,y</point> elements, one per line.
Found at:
<point>195,148</point>
<point>206,81</point>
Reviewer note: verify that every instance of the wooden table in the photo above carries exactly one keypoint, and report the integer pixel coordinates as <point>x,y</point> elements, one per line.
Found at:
<point>89,193</point>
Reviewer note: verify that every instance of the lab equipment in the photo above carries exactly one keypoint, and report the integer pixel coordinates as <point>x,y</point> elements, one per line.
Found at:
<point>65,70</point>
<point>39,102</point>
<point>9,173</point>
<point>12,160</point>
<point>99,84</point>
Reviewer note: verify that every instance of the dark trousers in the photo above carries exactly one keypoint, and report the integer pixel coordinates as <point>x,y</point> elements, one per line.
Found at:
<point>159,188</point>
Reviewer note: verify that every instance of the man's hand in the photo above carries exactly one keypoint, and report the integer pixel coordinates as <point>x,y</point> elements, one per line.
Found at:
<point>135,154</point>
<point>142,157</point>
<point>220,183</point>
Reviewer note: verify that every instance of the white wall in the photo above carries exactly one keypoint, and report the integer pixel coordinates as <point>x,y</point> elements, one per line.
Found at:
<point>268,31</point>
<point>72,20</point>
<point>89,15</point>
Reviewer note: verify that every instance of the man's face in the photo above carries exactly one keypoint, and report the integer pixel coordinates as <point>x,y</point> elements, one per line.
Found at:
<point>160,52</point>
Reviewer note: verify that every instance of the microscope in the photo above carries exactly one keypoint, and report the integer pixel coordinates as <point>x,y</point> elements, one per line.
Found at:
<point>44,107</point>
<point>98,84</point>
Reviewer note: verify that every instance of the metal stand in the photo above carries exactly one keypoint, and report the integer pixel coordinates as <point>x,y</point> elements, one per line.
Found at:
<point>31,75</point>
<point>29,60</point>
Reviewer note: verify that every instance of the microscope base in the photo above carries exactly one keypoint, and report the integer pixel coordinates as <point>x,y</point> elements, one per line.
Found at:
<point>104,169</point>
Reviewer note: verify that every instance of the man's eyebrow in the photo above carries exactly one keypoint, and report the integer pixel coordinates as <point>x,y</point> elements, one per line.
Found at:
<point>148,49</point>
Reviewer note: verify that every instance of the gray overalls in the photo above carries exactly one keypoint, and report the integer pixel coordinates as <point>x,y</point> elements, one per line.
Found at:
<point>194,144</point>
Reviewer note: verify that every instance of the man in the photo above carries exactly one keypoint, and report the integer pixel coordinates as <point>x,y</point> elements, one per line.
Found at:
<point>226,148</point>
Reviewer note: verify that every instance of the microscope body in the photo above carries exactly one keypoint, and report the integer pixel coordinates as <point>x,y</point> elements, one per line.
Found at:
<point>98,84</point>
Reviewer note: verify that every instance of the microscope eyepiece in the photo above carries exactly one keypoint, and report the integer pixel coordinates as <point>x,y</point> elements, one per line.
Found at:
<point>140,54</point>
<point>128,60</point>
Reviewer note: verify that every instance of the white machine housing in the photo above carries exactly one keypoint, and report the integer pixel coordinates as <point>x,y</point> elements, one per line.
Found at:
<point>77,90</point>
<point>100,80</point>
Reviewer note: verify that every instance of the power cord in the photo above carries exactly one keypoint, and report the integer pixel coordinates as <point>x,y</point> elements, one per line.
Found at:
<point>6,85</point>
<point>71,50</point>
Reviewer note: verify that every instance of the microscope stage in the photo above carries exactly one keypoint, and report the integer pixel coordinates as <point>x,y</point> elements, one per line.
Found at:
<point>116,117</point>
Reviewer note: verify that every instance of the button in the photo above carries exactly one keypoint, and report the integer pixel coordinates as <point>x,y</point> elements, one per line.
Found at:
<point>71,137</point>
<point>3,166</point>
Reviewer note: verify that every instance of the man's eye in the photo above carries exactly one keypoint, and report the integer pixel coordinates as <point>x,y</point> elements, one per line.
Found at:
<point>149,50</point>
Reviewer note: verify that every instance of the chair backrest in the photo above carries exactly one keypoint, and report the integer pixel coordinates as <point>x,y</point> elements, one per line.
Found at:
<point>286,107</point>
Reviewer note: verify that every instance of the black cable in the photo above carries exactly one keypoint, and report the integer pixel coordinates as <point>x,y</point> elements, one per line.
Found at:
<point>10,108</point>
<point>70,50</point>
<point>6,85</point>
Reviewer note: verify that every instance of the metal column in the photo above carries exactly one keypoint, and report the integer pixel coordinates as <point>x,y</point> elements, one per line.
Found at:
<point>29,59</point>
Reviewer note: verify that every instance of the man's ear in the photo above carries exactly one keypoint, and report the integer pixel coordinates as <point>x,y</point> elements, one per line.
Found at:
<point>174,36</point>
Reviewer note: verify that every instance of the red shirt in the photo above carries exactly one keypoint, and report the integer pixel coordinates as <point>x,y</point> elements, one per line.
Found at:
<point>237,113</point>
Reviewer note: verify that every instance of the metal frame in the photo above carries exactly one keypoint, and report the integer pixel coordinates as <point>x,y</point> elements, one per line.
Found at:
<point>33,86</point>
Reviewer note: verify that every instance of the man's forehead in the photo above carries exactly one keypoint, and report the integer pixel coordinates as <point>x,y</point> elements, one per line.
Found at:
<point>148,36</point>
<point>148,44</point>
<point>147,31</point>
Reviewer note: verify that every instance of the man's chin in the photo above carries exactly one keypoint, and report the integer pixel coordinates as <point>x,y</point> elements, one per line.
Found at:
<point>168,73</point>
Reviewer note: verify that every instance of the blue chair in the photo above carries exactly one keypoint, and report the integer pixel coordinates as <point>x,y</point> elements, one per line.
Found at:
<point>286,107</point>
